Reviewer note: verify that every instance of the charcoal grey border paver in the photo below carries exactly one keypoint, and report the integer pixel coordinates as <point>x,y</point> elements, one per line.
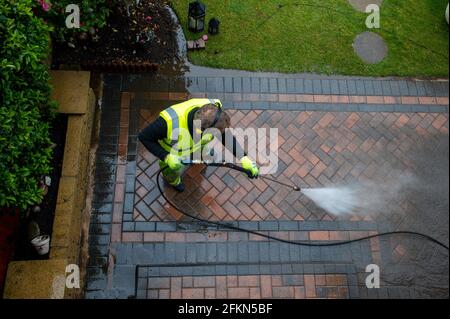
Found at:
<point>336,107</point>
<point>272,225</point>
<point>327,85</point>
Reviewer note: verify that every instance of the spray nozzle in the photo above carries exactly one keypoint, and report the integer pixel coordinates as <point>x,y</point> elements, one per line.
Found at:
<point>296,188</point>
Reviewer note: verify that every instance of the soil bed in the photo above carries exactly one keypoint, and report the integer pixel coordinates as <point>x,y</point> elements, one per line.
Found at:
<point>141,34</point>
<point>45,217</point>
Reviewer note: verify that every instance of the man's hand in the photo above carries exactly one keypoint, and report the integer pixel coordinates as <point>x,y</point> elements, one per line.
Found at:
<point>250,167</point>
<point>173,161</point>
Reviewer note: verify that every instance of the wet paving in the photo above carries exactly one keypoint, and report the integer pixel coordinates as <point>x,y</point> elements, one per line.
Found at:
<point>332,131</point>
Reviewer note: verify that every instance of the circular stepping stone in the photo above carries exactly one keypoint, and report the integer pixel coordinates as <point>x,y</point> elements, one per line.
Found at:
<point>370,47</point>
<point>361,5</point>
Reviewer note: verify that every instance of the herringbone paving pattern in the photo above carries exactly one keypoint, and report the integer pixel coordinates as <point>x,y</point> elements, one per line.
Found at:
<point>315,149</point>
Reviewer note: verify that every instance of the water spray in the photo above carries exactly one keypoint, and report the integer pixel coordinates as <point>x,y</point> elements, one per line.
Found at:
<point>294,188</point>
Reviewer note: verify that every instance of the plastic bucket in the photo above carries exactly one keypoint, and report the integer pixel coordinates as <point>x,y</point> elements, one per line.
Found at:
<point>41,244</point>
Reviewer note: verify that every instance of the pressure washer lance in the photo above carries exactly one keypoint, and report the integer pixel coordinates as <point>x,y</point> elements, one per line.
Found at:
<point>239,168</point>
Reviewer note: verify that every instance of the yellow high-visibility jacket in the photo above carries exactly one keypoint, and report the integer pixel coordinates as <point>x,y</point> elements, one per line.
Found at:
<point>178,139</point>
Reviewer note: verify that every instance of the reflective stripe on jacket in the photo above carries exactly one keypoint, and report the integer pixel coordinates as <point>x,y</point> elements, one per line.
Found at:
<point>178,138</point>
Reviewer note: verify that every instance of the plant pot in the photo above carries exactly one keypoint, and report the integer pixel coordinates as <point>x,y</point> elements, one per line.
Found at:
<point>33,230</point>
<point>41,244</point>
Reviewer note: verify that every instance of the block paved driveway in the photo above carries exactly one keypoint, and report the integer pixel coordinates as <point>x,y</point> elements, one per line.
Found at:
<point>331,131</point>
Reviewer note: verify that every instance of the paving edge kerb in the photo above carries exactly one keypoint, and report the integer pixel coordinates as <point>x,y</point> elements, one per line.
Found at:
<point>45,279</point>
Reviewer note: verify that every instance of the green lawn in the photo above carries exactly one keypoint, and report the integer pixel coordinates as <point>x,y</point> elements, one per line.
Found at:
<point>317,36</point>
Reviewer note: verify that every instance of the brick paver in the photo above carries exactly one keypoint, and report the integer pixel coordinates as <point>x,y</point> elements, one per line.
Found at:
<point>331,131</point>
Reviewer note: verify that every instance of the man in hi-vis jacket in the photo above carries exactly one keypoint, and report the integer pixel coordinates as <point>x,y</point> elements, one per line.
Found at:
<point>173,137</point>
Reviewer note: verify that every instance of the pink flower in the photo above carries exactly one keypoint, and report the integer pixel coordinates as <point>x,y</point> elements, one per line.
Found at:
<point>44,5</point>
<point>148,18</point>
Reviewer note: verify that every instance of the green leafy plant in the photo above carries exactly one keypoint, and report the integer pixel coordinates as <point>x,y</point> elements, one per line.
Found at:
<point>93,15</point>
<point>25,109</point>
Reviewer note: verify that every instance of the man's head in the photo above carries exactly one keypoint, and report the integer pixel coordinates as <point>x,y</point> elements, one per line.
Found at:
<point>210,113</point>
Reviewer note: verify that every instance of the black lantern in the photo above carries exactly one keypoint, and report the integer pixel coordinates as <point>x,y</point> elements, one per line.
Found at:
<point>196,17</point>
<point>213,26</point>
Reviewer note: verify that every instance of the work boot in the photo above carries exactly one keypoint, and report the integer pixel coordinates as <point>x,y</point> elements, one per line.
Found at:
<point>179,188</point>
<point>177,183</point>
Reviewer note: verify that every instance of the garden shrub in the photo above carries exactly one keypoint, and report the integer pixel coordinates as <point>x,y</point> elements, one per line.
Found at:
<point>25,110</point>
<point>93,15</point>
